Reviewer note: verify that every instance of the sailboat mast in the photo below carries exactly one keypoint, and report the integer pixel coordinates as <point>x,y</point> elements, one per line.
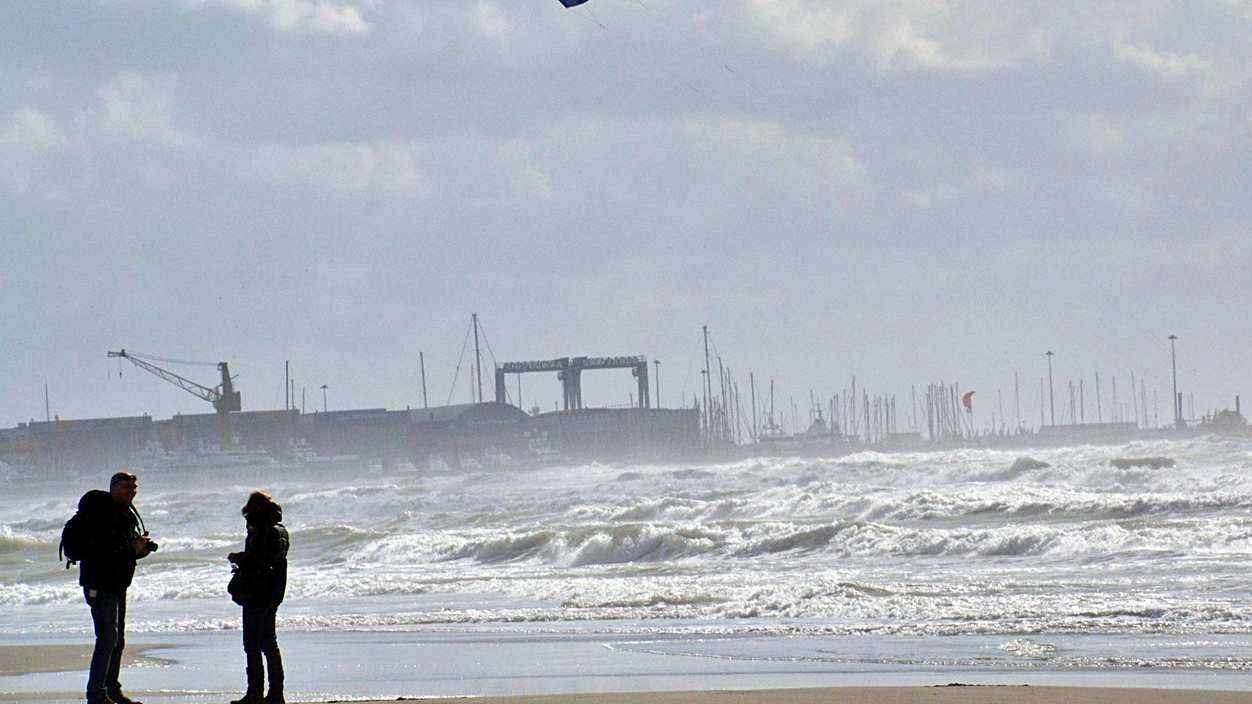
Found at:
<point>752,391</point>
<point>1099,409</point>
<point>708,384</point>
<point>913,420</point>
<point>478,359</point>
<point>1017,400</point>
<point>771,406</point>
<point>1000,397</point>
<point>421,356</point>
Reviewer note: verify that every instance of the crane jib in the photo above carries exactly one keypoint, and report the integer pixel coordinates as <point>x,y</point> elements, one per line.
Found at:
<point>224,397</point>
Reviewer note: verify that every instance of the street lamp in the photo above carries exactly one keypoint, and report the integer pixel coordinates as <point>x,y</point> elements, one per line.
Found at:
<point>657,362</point>
<point>1173,367</point>
<point>323,398</point>
<point>1051,405</point>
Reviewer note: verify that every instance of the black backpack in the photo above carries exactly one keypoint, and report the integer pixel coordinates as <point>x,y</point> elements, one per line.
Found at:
<point>74,537</point>
<point>83,527</point>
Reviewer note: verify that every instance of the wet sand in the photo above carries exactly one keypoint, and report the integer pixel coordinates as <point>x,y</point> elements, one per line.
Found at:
<point>946,694</point>
<point>27,659</point>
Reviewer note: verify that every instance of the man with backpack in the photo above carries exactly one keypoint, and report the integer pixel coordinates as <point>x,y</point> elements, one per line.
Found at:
<point>106,537</point>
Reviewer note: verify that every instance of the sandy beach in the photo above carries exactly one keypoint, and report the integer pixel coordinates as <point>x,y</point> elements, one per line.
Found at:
<point>17,660</point>
<point>940,694</point>
<point>943,694</point>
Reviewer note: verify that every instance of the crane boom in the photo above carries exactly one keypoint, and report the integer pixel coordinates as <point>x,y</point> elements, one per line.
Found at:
<point>224,397</point>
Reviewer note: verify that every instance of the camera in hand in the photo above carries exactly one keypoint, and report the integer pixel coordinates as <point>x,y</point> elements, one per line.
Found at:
<point>152,545</point>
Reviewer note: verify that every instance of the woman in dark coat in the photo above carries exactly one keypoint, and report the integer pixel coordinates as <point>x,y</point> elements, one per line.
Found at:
<point>259,589</point>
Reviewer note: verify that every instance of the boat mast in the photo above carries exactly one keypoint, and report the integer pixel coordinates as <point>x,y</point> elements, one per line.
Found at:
<point>752,390</point>
<point>1000,397</point>
<point>1017,399</point>
<point>708,385</point>
<point>478,359</point>
<point>913,392</point>
<point>1134,398</point>
<point>1099,408</point>
<point>772,427</point>
<point>421,356</point>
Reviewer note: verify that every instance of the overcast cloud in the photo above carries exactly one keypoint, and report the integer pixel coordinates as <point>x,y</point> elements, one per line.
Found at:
<point>906,191</point>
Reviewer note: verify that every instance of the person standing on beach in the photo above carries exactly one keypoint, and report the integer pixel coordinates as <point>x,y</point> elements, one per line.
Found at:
<point>115,541</point>
<point>260,587</point>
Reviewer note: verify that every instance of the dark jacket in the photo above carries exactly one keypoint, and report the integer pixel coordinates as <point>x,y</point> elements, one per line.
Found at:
<point>109,564</point>
<point>264,557</point>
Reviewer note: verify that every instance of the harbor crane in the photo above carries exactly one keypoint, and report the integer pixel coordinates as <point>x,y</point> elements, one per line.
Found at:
<point>224,397</point>
<point>569,371</point>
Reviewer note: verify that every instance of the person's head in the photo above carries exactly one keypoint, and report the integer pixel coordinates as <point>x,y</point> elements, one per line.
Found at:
<point>259,503</point>
<point>123,486</point>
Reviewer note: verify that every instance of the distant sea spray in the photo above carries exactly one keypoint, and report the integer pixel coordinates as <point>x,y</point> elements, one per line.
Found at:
<point>952,542</point>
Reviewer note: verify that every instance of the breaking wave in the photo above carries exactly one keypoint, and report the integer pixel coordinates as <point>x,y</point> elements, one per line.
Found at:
<point>939,542</point>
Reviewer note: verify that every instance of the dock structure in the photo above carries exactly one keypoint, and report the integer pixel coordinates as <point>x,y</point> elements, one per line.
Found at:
<point>569,370</point>
<point>453,436</point>
<point>479,432</point>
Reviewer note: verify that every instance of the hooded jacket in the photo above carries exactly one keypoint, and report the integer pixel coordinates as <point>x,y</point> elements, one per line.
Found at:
<point>264,556</point>
<point>109,564</point>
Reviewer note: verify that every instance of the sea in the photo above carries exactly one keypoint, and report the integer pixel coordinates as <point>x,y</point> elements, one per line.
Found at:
<point>1035,566</point>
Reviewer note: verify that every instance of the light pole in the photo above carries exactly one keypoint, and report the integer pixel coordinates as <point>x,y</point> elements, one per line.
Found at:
<point>1173,367</point>
<point>657,362</point>
<point>1051,405</point>
<point>324,387</point>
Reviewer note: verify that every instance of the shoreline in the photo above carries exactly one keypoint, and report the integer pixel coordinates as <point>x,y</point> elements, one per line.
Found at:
<point>955,693</point>
<point>216,676</point>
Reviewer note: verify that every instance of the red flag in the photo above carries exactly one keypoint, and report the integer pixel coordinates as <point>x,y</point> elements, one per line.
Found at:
<point>968,400</point>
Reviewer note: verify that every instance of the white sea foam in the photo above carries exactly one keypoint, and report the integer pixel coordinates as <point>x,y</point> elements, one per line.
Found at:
<point>943,542</point>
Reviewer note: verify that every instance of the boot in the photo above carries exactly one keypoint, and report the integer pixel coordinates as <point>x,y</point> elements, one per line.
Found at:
<point>274,663</point>
<point>256,682</point>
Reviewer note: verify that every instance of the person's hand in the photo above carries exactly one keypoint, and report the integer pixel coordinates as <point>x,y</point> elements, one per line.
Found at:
<point>234,557</point>
<point>141,547</point>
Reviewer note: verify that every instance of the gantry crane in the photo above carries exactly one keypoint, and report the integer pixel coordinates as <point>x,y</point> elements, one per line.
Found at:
<point>569,371</point>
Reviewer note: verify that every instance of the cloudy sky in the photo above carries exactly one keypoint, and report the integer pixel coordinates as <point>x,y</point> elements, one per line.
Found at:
<point>907,191</point>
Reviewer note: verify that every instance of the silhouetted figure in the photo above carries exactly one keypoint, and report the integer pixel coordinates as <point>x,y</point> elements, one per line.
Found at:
<point>259,587</point>
<point>116,539</point>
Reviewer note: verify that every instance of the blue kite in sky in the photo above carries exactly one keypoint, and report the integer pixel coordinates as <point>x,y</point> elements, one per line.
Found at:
<point>571,3</point>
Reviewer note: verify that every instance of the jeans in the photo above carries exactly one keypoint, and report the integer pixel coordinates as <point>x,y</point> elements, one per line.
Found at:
<point>259,634</point>
<point>108,617</point>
